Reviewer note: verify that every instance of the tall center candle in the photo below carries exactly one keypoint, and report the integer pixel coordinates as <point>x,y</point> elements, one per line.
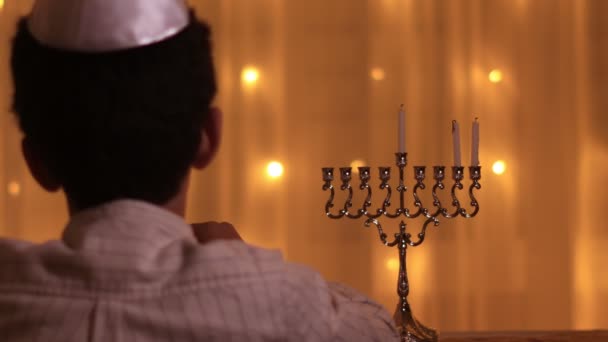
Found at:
<point>401,130</point>
<point>456,143</point>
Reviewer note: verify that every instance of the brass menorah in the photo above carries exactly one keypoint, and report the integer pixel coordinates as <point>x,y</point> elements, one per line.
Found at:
<point>410,328</point>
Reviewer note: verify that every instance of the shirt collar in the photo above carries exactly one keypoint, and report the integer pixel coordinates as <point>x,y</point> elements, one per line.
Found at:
<point>126,219</point>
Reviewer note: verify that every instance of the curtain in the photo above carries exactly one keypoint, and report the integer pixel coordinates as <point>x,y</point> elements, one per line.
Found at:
<point>331,76</point>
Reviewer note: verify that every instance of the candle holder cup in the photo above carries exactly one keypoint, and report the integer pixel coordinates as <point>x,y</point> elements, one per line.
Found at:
<point>410,329</point>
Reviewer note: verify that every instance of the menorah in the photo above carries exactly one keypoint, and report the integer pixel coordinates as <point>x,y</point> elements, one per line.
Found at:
<point>410,328</point>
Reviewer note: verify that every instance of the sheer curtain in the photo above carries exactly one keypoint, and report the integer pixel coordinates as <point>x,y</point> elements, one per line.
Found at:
<point>331,77</point>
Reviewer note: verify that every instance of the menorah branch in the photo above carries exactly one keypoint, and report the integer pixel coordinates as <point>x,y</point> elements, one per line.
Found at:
<point>411,329</point>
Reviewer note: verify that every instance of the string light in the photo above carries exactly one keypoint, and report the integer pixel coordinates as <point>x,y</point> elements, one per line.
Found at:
<point>250,75</point>
<point>13,188</point>
<point>355,164</point>
<point>274,169</point>
<point>499,167</point>
<point>495,76</point>
<point>392,264</point>
<point>377,74</point>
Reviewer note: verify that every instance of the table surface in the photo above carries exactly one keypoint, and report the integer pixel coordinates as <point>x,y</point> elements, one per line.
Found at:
<point>526,336</point>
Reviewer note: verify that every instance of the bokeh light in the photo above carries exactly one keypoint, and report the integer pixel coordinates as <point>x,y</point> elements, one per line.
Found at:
<point>377,74</point>
<point>355,164</point>
<point>250,75</point>
<point>13,188</point>
<point>495,76</point>
<point>499,167</point>
<point>274,169</point>
<point>392,264</point>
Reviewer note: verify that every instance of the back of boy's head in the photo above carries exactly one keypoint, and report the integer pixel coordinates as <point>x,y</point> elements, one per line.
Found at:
<point>123,124</point>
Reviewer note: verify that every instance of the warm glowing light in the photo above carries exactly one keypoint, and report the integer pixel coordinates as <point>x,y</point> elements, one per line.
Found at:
<point>392,264</point>
<point>499,167</point>
<point>355,164</point>
<point>1,4</point>
<point>274,169</point>
<point>250,75</point>
<point>377,74</point>
<point>495,76</point>
<point>13,188</point>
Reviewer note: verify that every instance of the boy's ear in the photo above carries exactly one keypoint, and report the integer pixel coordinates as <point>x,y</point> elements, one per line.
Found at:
<point>38,168</point>
<point>211,137</point>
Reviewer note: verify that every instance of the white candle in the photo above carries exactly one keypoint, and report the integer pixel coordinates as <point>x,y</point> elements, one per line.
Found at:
<point>401,130</point>
<point>456,143</point>
<point>475,144</point>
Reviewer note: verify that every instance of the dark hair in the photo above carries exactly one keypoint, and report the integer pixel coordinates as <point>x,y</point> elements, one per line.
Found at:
<point>123,124</point>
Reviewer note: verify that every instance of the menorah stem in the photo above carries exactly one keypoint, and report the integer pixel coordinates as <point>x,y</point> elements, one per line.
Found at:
<point>403,284</point>
<point>410,329</point>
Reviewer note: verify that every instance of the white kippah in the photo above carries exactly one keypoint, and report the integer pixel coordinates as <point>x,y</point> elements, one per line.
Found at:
<point>106,25</point>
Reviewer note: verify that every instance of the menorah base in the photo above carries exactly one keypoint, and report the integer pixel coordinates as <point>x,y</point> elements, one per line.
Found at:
<point>411,330</point>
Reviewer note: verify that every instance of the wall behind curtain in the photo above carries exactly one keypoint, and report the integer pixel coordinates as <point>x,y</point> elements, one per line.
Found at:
<point>534,257</point>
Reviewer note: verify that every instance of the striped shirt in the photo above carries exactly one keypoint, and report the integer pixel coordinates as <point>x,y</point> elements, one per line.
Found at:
<point>132,271</point>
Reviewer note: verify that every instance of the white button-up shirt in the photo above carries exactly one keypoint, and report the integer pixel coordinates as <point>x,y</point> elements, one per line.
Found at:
<point>132,271</point>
